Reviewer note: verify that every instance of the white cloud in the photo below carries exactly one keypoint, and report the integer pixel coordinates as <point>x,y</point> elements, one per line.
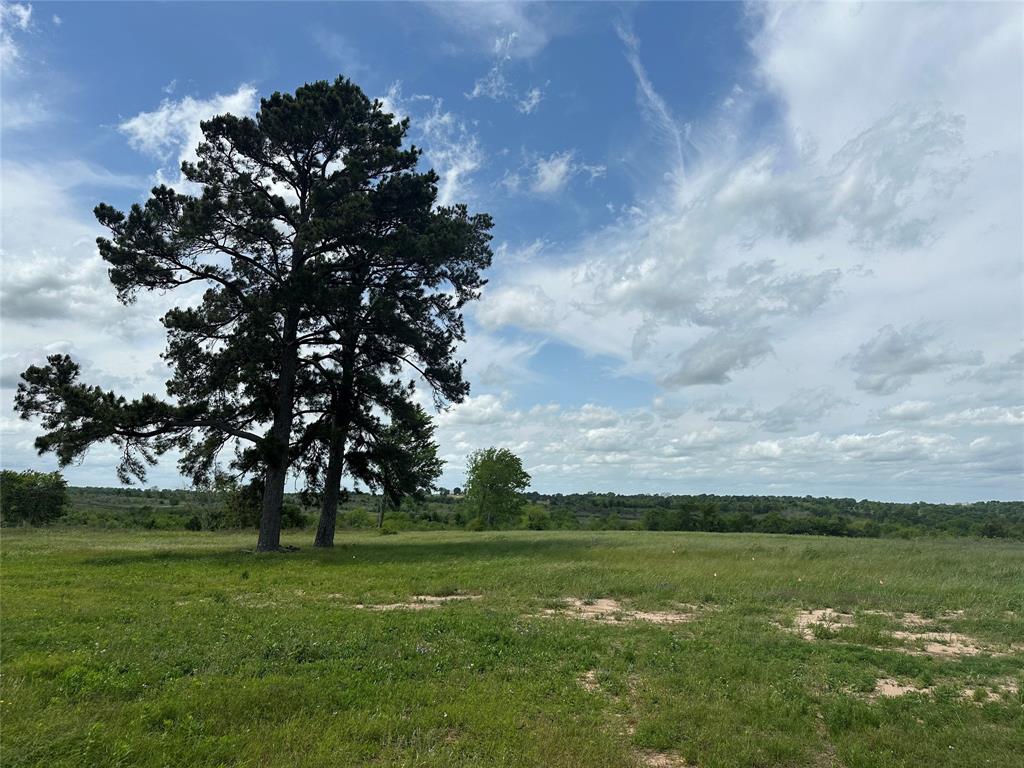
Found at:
<point>530,100</point>
<point>451,145</point>
<point>454,152</point>
<point>56,297</point>
<point>172,131</point>
<point>549,175</point>
<point>520,30</point>
<point>495,84</point>
<point>766,272</point>
<point>595,447</point>
<point>552,173</point>
<point>653,106</point>
<point>13,16</point>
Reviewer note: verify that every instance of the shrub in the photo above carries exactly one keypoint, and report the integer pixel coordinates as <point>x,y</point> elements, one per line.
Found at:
<point>536,518</point>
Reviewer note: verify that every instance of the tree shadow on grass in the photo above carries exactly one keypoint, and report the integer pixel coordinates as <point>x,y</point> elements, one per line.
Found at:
<point>377,551</point>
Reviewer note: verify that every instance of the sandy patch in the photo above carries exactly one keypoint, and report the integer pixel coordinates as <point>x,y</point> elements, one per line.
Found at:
<point>915,633</point>
<point>915,620</point>
<point>890,688</point>
<point>991,692</point>
<point>805,621</point>
<point>605,610</point>
<point>945,644</point>
<point>588,681</point>
<point>417,603</point>
<point>654,759</point>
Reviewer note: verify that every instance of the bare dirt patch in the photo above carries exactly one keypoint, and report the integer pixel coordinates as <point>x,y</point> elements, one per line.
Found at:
<point>588,681</point>
<point>654,759</point>
<point>890,688</point>
<point>605,610</point>
<point>805,621</point>
<point>417,603</point>
<point>918,639</point>
<point>945,644</point>
<point>991,692</point>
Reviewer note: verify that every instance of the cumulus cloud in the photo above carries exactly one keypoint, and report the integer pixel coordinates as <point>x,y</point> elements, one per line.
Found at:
<point>52,271</point>
<point>172,130</point>
<point>712,359</point>
<point>887,362</point>
<point>571,448</point>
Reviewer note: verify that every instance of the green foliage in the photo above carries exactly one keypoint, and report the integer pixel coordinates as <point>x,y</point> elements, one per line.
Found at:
<point>239,506</point>
<point>328,268</point>
<point>357,518</point>
<point>536,518</point>
<point>31,498</point>
<point>495,480</point>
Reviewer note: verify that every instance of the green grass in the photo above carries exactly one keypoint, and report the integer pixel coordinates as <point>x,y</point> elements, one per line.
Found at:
<point>172,649</point>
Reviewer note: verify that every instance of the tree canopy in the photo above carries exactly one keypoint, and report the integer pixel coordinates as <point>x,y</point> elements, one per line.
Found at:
<point>495,480</point>
<point>333,283</point>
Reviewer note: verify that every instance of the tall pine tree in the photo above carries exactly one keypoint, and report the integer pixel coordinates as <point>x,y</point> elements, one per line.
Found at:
<point>330,273</point>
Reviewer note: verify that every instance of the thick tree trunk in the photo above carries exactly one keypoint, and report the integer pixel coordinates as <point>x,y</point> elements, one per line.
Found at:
<point>273,500</point>
<point>276,448</point>
<point>332,488</point>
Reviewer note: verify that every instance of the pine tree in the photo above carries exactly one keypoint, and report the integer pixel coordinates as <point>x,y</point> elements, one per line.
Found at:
<point>329,273</point>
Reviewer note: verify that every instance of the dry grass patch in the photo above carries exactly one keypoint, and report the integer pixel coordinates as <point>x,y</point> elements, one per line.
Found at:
<point>606,610</point>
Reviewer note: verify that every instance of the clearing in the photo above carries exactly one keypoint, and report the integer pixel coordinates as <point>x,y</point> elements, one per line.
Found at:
<point>510,649</point>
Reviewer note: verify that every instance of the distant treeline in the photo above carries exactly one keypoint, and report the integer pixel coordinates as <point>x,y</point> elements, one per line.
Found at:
<point>212,510</point>
<point>793,514</point>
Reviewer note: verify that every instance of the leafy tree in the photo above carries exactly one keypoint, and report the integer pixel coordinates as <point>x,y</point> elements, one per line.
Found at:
<point>536,518</point>
<point>495,478</point>
<point>329,272</point>
<point>33,498</point>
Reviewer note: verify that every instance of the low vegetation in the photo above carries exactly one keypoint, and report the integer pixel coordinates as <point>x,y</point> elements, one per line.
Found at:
<point>517,648</point>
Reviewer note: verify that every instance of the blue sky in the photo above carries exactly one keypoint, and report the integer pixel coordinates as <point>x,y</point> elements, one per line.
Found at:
<point>739,248</point>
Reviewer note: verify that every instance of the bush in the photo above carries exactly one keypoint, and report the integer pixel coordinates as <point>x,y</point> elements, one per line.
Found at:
<point>291,517</point>
<point>357,518</point>
<point>31,498</point>
<point>536,518</point>
<point>194,524</point>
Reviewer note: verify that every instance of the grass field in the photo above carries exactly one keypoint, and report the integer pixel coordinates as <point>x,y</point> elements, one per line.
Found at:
<point>182,649</point>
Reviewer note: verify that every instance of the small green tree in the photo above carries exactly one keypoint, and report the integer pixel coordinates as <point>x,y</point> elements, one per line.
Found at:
<point>536,518</point>
<point>495,478</point>
<point>33,498</point>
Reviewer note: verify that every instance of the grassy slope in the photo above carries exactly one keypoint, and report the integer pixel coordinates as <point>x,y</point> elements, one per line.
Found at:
<point>152,649</point>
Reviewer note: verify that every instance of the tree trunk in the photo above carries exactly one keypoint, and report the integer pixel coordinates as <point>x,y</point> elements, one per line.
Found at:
<point>276,448</point>
<point>332,487</point>
<point>273,499</point>
<point>341,421</point>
